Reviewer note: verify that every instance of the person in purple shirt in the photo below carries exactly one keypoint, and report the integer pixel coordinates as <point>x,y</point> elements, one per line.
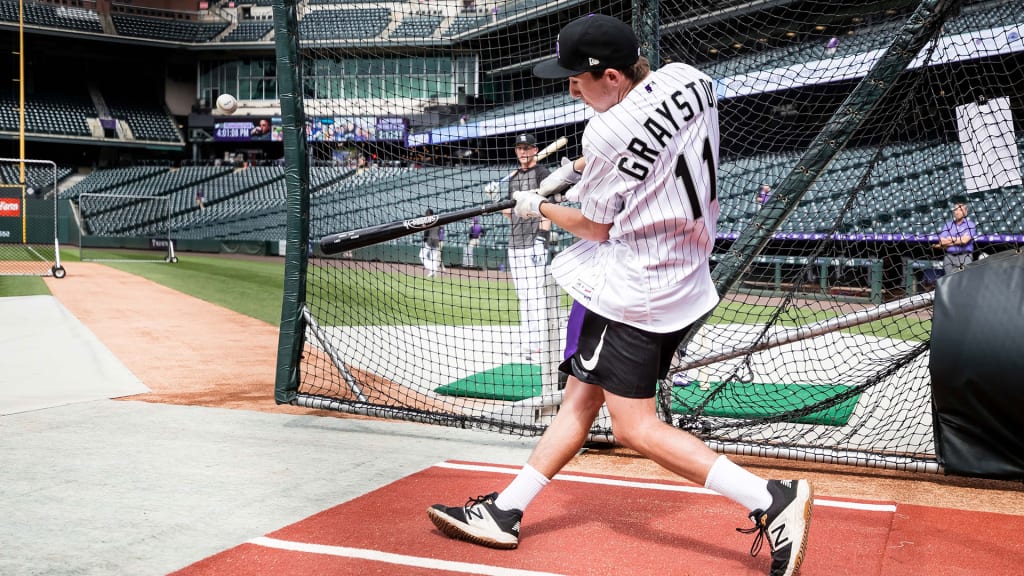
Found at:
<point>476,231</point>
<point>957,240</point>
<point>763,194</point>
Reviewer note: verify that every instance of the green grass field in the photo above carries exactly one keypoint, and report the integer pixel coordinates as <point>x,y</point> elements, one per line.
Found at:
<point>255,287</point>
<point>22,286</point>
<point>405,298</point>
<point>901,328</point>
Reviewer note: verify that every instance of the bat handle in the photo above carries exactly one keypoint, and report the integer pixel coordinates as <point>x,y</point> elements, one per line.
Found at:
<point>498,206</point>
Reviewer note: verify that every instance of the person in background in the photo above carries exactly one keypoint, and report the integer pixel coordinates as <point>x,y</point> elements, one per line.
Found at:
<point>763,194</point>
<point>430,253</point>
<point>832,46</point>
<point>528,251</point>
<point>957,240</point>
<point>476,232</point>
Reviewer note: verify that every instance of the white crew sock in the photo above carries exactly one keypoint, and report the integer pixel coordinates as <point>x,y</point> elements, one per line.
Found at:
<point>518,494</point>
<point>738,485</point>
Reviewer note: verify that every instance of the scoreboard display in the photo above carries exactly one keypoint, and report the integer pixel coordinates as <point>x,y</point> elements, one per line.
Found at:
<point>320,129</point>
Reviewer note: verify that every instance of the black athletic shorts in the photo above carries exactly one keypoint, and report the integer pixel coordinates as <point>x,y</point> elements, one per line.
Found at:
<point>621,359</point>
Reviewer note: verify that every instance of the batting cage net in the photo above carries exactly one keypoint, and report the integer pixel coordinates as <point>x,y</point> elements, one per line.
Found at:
<point>28,218</point>
<point>124,228</point>
<point>850,135</point>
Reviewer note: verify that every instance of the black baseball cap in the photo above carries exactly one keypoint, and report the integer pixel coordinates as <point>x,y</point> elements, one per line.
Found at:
<point>594,42</point>
<point>526,140</point>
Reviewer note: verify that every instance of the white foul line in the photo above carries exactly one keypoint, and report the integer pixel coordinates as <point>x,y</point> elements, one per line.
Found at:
<point>399,559</point>
<point>862,506</point>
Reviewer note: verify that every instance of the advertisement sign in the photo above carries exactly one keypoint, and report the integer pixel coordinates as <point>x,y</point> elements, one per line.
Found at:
<point>10,207</point>
<point>10,214</point>
<point>161,244</point>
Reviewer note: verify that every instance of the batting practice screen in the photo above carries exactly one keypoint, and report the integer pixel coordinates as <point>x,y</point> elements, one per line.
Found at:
<point>851,140</point>
<point>28,218</point>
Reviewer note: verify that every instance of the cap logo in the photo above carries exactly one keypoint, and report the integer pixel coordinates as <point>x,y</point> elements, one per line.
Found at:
<point>593,61</point>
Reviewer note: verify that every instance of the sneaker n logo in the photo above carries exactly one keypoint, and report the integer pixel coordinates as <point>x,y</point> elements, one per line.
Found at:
<point>475,512</point>
<point>780,539</point>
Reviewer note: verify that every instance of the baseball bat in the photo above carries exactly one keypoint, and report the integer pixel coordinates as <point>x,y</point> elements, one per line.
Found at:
<point>344,241</point>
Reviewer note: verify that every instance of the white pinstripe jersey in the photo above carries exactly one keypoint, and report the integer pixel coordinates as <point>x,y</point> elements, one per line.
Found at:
<point>651,173</point>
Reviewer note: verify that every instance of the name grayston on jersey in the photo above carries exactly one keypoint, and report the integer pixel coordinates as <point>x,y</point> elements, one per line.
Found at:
<point>701,94</point>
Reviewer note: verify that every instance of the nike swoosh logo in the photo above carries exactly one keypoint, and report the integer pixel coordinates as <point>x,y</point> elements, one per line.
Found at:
<point>590,364</point>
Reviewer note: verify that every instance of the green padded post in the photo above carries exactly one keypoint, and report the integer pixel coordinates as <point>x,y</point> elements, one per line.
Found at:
<point>296,175</point>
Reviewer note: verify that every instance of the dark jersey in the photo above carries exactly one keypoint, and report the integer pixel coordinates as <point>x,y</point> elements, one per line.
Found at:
<point>524,230</point>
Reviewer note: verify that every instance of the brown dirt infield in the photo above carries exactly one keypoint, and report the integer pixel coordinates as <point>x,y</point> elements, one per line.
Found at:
<point>192,352</point>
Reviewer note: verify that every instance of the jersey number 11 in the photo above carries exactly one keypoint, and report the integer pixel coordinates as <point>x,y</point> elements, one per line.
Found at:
<point>683,173</point>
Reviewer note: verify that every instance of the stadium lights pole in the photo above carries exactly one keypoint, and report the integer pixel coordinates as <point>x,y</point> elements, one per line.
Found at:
<point>21,113</point>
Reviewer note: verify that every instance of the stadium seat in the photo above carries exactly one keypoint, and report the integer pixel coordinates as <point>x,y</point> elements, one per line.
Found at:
<point>417,26</point>
<point>465,23</point>
<point>50,16</point>
<point>166,29</point>
<point>346,23</point>
<point>249,31</point>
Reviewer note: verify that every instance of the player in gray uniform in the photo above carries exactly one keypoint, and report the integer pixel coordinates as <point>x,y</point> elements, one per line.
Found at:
<point>646,224</point>
<point>528,251</point>
<point>430,253</point>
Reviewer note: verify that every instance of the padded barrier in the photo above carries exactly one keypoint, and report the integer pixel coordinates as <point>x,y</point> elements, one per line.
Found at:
<point>977,368</point>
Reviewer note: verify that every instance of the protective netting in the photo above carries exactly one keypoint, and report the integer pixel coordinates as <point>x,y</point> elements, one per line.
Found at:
<point>850,132</point>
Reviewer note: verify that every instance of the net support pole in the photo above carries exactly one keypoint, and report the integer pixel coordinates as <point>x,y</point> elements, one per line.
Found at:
<point>894,308</point>
<point>322,339</point>
<point>291,337</point>
<point>58,269</point>
<point>921,27</point>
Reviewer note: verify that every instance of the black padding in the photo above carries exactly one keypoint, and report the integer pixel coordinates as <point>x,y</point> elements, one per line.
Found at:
<point>977,368</point>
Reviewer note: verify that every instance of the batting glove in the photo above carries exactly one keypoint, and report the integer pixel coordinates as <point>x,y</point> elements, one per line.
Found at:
<point>528,203</point>
<point>560,180</point>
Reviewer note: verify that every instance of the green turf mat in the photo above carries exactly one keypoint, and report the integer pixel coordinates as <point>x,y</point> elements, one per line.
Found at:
<point>758,400</point>
<point>506,382</point>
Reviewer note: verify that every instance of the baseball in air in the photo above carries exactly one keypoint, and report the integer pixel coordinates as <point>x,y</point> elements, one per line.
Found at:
<point>227,104</point>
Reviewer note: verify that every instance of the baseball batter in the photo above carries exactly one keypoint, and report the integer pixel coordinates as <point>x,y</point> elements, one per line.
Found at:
<point>647,190</point>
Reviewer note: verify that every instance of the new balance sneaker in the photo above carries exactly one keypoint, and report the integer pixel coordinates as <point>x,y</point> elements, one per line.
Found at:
<point>784,525</point>
<point>479,521</point>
